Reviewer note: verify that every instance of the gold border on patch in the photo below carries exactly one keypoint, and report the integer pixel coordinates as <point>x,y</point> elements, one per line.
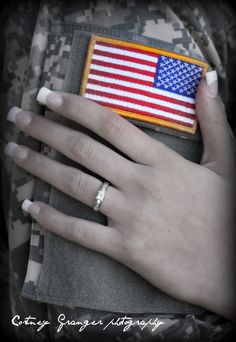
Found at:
<point>136,116</point>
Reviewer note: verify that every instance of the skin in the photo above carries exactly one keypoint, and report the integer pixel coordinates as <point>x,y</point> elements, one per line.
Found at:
<point>168,219</point>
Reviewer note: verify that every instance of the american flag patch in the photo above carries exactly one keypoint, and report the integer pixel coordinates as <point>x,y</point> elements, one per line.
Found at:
<point>143,83</point>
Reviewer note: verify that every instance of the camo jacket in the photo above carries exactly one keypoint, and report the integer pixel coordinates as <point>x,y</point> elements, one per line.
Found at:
<point>207,28</point>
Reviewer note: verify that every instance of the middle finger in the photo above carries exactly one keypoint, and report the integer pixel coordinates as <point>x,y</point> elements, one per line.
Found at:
<point>74,145</point>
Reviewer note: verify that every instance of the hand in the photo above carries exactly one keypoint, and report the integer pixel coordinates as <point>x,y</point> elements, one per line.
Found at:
<point>169,219</point>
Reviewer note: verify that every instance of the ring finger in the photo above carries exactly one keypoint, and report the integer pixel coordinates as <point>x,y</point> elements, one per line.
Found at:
<point>71,181</point>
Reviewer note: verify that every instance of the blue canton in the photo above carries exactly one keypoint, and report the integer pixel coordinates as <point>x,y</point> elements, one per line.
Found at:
<point>176,76</point>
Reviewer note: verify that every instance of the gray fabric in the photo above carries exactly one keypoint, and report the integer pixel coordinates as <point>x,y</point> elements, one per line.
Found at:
<point>74,276</point>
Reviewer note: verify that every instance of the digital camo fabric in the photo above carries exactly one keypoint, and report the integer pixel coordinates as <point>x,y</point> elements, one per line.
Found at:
<point>188,25</point>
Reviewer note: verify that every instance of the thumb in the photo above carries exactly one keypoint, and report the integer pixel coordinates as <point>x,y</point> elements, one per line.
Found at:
<point>218,150</point>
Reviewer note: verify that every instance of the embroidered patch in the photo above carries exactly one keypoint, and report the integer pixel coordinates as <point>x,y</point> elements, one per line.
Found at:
<point>143,83</point>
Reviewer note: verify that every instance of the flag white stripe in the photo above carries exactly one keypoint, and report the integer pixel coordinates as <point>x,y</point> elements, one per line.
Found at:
<point>125,53</point>
<point>117,61</point>
<point>141,87</point>
<point>139,107</point>
<point>141,97</point>
<point>121,72</point>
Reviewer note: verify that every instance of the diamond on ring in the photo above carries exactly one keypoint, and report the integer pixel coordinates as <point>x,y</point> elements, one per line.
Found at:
<point>100,196</point>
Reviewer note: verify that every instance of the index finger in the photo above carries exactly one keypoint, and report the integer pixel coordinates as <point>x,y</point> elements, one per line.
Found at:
<point>110,126</point>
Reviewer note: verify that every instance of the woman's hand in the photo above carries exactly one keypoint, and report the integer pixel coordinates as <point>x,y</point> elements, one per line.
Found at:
<point>169,220</point>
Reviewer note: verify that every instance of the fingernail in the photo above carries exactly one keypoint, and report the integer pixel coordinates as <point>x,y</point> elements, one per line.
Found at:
<point>212,83</point>
<point>11,116</point>
<point>49,97</point>
<point>19,117</point>
<point>30,207</point>
<point>9,148</point>
<point>19,153</point>
<point>26,204</point>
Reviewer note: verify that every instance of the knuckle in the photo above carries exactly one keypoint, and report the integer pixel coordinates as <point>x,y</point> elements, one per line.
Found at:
<point>219,120</point>
<point>148,184</point>
<point>164,156</point>
<point>155,191</point>
<point>82,147</point>
<point>75,231</point>
<point>76,183</point>
<point>133,249</point>
<point>168,164</point>
<point>113,125</point>
<point>217,115</point>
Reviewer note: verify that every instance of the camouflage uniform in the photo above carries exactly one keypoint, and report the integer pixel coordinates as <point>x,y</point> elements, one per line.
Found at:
<point>30,62</point>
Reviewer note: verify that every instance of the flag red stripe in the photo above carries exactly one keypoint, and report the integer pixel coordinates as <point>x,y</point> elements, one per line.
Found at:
<point>117,46</point>
<point>141,103</point>
<point>141,92</point>
<point>120,77</point>
<point>143,113</point>
<point>123,58</point>
<point>122,67</point>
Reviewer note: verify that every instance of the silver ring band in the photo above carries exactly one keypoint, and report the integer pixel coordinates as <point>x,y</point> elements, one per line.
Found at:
<point>101,194</point>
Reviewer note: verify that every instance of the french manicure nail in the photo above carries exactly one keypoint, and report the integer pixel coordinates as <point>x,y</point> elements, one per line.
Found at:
<point>19,153</point>
<point>19,117</point>
<point>49,97</point>
<point>42,95</point>
<point>30,207</point>
<point>212,83</point>
<point>11,116</point>
<point>26,204</point>
<point>9,148</point>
